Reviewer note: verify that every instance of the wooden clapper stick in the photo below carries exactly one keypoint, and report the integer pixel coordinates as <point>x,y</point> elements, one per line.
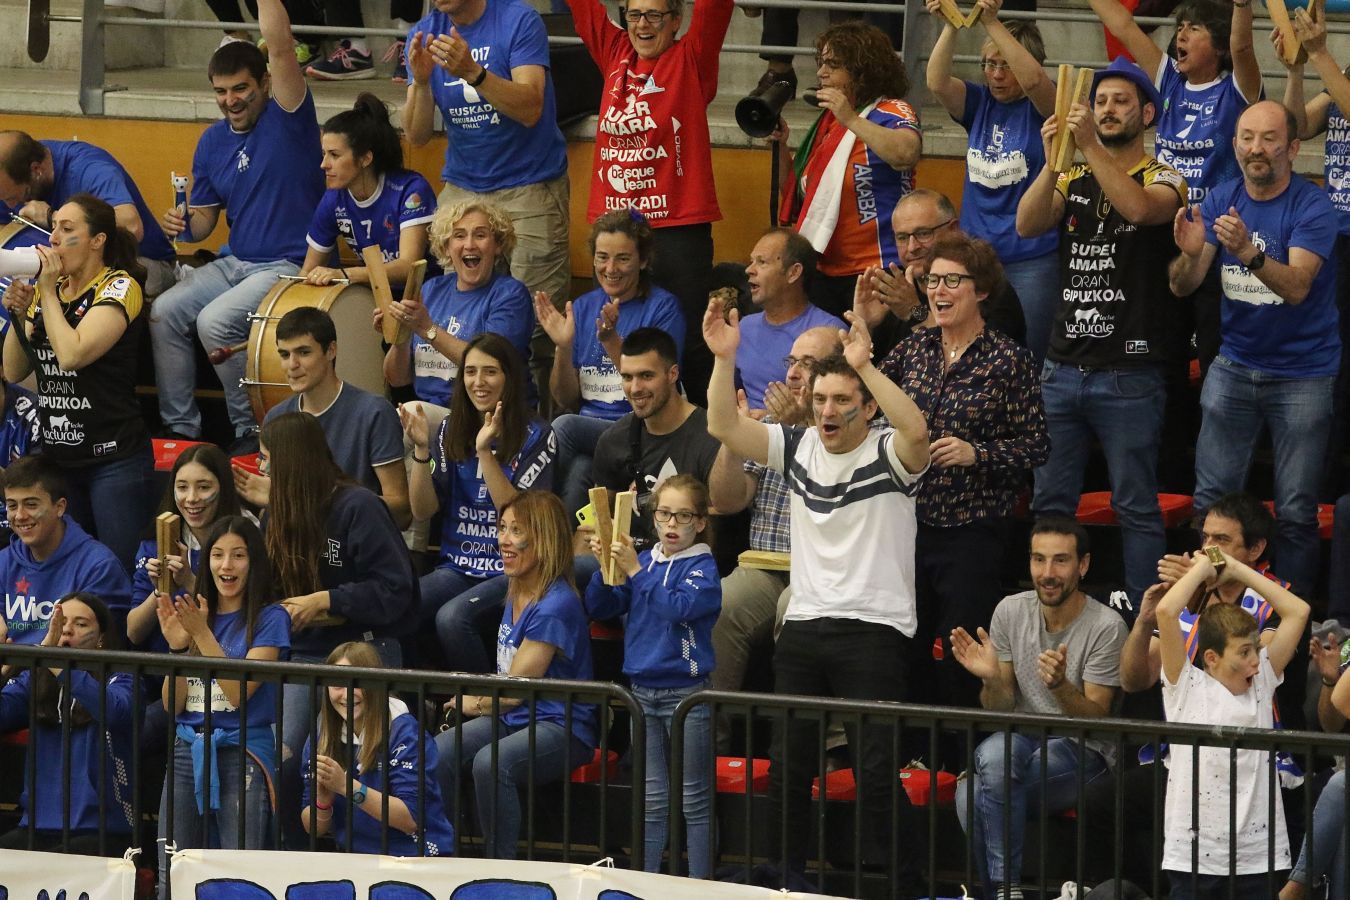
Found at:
<point>394,331</point>
<point>166,544</point>
<point>1062,149</point>
<point>609,526</point>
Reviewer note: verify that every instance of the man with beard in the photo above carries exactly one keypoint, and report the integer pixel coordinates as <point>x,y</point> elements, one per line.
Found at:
<point>1050,651</point>
<point>1103,373</point>
<point>1269,232</point>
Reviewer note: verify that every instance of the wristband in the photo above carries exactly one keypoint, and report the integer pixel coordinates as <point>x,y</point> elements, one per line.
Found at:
<point>419,460</point>
<point>179,649</point>
<point>1328,684</point>
<point>482,74</point>
<point>320,806</point>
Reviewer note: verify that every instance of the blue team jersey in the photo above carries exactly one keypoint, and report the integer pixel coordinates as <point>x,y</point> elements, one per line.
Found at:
<point>80,168</point>
<point>401,200</point>
<point>1337,164</point>
<point>559,620</point>
<point>488,151</point>
<point>272,629</point>
<point>1004,154</point>
<point>503,306</point>
<point>1196,127</point>
<point>601,388</point>
<point>1258,329</point>
<point>468,515</point>
<point>262,177</point>
<point>21,427</point>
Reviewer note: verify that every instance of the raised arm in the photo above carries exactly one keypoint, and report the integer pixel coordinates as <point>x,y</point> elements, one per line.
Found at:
<point>1030,74</point>
<point>288,82</point>
<point>1140,660</point>
<point>1171,642</point>
<point>519,96</point>
<point>1120,22</point>
<point>1140,204</point>
<point>419,106</point>
<point>1246,70</point>
<point>730,487</point>
<point>1292,610</point>
<point>910,444</point>
<point>743,436</point>
<point>1041,207</point>
<point>1197,255</point>
<point>950,90</point>
<point>1311,28</point>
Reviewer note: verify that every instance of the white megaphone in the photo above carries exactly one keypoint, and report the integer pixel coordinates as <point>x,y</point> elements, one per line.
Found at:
<point>21,263</point>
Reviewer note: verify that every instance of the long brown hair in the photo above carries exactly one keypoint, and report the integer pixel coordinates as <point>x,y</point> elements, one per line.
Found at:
<point>258,586</point>
<point>120,250</point>
<point>461,430</point>
<point>304,477</point>
<point>373,719</point>
<point>867,54</point>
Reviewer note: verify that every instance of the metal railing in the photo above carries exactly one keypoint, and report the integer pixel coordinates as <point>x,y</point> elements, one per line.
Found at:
<point>152,732</point>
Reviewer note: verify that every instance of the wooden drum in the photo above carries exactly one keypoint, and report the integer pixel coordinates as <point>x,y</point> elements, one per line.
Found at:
<point>360,356</point>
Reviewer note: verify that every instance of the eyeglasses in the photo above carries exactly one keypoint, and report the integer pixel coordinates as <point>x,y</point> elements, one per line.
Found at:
<point>651,16</point>
<point>922,235</point>
<point>790,361</point>
<point>827,62</point>
<point>951,279</point>
<point>990,66</point>
<point>663,515</point>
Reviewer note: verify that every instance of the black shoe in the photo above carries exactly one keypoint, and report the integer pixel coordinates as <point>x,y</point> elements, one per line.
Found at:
<point>244,445</point>
<point>770,77</point>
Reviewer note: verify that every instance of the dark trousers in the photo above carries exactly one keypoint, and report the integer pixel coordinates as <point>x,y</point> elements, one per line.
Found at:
<point>1188,886</point>
<point>682,260</point>
<point>957,581</point>
<point>301,12</point>
<point>849,659</point>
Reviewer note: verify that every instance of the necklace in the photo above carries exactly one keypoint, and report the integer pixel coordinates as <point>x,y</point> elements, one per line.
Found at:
<point>953,351</point>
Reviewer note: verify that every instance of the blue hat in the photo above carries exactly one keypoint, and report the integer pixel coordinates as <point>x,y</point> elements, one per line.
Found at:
<point>1122,68</point>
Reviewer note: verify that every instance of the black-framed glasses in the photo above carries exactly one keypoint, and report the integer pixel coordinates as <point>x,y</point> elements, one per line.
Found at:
<point>650,16</point>
<point>951,279</point>
<point>989,65</point>
<point>683,517</point>
<point>790,361</point>
<point>922,235</point>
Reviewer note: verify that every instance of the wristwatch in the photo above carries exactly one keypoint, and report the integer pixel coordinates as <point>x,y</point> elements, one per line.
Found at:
<point>358,794</point>
<point>431,334</point>
<point>1216,558</point>
<point>1256,261</point>
<point>482,76</point>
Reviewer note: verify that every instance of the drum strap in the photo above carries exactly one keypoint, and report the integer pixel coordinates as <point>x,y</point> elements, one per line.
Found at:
<point>22,334</point>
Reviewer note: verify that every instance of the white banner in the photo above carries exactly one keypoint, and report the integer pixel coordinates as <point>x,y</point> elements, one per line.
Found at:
<point>60,876</point>
<point>263,875</point>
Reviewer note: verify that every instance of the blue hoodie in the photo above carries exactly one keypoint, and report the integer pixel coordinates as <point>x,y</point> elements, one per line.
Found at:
<point>88,751</point>
<point>672,605</point>
<point>31,588</point>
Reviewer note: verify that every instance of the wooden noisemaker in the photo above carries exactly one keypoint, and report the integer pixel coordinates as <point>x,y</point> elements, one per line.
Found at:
<point>166,544</point>
<point>412,290</point>
<point>604,527</point>
<point>1063,136</point>
<point>379,286</point>
<point>952,13</point>
<point>1279,17</point>
<point>623,524</point>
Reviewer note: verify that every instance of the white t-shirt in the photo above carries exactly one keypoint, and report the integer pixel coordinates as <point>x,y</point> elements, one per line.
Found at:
<point>853,528</point>
<point>1200,698</point>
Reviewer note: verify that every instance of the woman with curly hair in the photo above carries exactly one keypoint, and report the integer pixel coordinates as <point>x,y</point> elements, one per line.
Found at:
<point>864,126</point>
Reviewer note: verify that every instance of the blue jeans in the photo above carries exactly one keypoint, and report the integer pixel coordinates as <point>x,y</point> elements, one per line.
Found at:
<point>452,603</point>
<point>1123,409</point>
<point>113,501</point>
<point>216,298</point>
<point>1235,403</point>
<point>218,829</point>
<point>999,855</point>
<point>297,723</point>
<point>1186,886</point>
<point>1325,857</point>
<point>556,753</point>
<point>658,709</point>
<point>577,437</point>
<point>1036,282</point>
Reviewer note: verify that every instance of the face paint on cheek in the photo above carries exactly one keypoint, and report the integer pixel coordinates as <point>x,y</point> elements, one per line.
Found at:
<point>250,97</point>
<point>851,414</point>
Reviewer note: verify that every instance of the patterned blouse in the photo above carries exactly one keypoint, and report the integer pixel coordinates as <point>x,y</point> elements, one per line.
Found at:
<point>991,398</point>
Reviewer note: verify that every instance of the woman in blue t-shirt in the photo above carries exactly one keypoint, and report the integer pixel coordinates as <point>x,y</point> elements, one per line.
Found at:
<point>370,745</point>
<point>233,616</point>
<point>585,372</point>
<point>489,448</point>
<point>371,199</point>
<point>544,633</point>
<point>98,772</point>
<point>1003,117</point>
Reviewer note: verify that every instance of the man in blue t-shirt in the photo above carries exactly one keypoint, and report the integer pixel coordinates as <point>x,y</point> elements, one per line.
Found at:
<point>1270,233</point>
<point>363,430</point>
<point>485,65</point>
<point>782,264</point>
<point>260,165</point>
<point>38,177</point>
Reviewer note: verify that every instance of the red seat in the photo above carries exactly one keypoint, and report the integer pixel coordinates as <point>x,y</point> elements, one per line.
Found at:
<point>1095,509</point>
<point>918,785</point>
<point>603,631</point>
<point>166,452</point>
<point>731,775</point>
<point>1326,516</point>
<point>249,462</point>
<point>1193,373</point>
<point>590,772</point>
<point>15,738</point>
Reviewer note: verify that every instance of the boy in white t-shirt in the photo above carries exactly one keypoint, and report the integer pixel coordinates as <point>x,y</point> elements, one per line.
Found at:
<point>1234,690</point>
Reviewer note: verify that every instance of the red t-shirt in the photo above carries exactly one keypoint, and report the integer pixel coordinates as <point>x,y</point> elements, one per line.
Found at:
<point>652,151</point>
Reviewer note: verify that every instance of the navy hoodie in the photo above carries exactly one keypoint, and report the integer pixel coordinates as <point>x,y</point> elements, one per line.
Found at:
<point>31,588</point>
<point>672,605</point>
<point>91,747</point>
